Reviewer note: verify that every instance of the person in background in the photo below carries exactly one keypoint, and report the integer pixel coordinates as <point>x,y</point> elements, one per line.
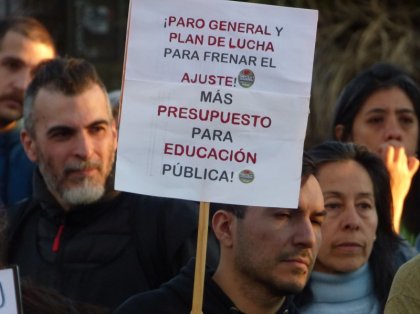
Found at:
<point>360,251</point>
<point>380,109</point>
<point>404,296</point>
<point>114,98</point>
<point>266,255</point>
<point>76,234</point>
<point>24,43</point>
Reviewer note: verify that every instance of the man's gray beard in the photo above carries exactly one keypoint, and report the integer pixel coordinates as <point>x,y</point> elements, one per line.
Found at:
<point>86,193</point>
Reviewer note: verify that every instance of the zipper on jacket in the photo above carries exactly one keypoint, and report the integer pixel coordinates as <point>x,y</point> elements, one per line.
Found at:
<point>56,243</point>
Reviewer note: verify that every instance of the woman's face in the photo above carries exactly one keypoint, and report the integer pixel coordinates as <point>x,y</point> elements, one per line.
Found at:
<point>349,229</point>
<point>387,118</point>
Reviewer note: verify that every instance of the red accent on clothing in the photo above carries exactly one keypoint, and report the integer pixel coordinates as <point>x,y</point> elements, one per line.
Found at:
<point>56,243</point>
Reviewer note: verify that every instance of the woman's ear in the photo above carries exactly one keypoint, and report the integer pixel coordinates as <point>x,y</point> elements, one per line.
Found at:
<point>338,132</point>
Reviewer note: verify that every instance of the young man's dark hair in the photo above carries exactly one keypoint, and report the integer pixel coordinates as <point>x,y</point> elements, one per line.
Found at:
<point>266,255</point>
<point>308,168</point>
<point>27,27</point>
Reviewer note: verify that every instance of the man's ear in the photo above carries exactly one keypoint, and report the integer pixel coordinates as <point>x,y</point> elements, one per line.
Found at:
<point>29,145</point>
<point>339,131</point>
<point>114,131</point>
<point>223,226</point>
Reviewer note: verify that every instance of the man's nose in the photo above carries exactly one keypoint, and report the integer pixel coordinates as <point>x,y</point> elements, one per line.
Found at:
<point>84,146</point>
<point>21,80</point>
<point>305,234</point>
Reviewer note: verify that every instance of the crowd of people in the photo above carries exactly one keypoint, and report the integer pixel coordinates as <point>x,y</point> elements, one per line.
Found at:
<point>83,247</point>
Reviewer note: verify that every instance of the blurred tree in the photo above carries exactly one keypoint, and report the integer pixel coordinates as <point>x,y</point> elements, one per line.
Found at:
<point>352,35</point>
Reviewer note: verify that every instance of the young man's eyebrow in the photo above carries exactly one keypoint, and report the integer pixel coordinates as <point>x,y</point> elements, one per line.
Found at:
<point>99,122</point>
<point>12,59</point>
<point>317,214</point>
<point>322,213</point>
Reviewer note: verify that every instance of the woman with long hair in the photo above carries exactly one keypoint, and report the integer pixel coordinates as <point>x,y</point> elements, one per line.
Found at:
<point>360,251</point>
<point>380,108</point>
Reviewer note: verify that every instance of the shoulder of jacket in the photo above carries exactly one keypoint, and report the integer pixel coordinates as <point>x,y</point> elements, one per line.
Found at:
<point>17,213</point>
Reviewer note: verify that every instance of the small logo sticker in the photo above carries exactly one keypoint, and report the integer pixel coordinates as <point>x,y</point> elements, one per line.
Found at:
<point>246,78</point>
<point>246,176</point>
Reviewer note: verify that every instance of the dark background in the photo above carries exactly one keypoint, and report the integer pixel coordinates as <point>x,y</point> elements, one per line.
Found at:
<point>351,35</point>
<point>91,29</point>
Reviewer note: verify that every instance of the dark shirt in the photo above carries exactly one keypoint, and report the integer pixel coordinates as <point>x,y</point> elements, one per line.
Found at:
<point>104,252</point>
<point>175,297</point>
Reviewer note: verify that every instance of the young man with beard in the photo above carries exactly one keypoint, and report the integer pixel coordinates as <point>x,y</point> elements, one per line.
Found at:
<point>76,234</point>
<point>24,43</point>
<point>266,255</point>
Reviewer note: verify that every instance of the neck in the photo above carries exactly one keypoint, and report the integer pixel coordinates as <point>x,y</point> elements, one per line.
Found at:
<point>7,126</point>
<point>354,285</point>
<point>247,295</point>
<point>356,293</point>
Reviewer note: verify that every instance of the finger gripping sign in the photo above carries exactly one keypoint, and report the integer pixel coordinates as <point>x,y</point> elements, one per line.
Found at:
<point>215,101</point>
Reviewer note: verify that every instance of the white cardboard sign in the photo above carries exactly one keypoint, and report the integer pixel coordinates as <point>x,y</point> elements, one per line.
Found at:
<point>10,300</point>
<point>216,101</point>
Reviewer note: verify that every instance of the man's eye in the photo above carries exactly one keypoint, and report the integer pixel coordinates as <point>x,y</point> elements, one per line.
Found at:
<point>282,215</point>
<point>318,221</point>
<point>60,135</point>
<point>13,65</point>
<point>97,129</point>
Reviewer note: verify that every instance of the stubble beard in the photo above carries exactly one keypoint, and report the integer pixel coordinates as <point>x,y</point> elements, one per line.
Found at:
<point>9,115</point>
<point>275,286</point>
<point>260,271</point>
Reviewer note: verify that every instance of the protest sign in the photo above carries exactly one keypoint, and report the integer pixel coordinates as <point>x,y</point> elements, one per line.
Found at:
<point>10,299</point>
<point>216,101</point>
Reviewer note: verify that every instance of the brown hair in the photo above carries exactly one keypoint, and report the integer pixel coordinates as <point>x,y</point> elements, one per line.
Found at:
<point>28,27</point>
<point>308,168</point>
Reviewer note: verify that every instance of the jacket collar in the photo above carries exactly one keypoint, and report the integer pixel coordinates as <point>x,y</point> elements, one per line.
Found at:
<point>183,283</point>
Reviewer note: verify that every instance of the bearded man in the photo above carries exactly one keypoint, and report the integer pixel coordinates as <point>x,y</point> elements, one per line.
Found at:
<point>76,234</point>
<point>24,43</point>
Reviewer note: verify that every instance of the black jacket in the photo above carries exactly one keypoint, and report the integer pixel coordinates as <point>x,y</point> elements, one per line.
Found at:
<point>175,297</point>
<point>105,252</point>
